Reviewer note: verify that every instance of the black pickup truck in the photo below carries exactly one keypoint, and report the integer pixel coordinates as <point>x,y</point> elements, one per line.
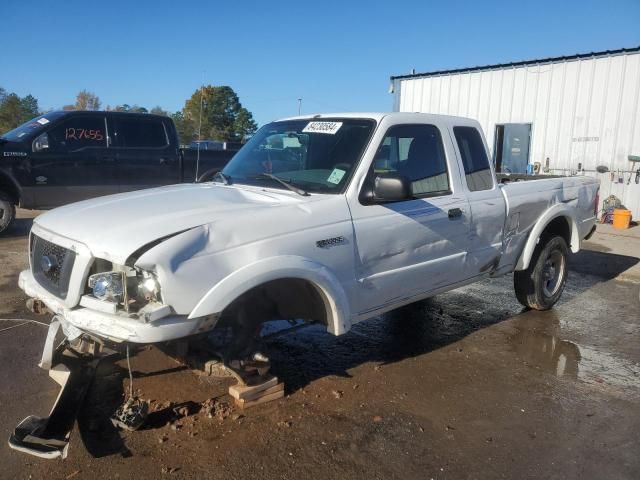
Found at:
<point>63,157</point>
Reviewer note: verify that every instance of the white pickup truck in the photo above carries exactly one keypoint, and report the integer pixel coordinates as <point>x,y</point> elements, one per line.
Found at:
<point>327,218</point>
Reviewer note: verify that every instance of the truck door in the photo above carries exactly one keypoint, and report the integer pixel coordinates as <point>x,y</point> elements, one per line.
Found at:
<point>415,246</point>
<point>71,161</point>
<point>145,156</point>
<point>488,208</point>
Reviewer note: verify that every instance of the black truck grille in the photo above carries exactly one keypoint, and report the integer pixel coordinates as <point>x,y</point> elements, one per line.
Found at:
<point>51,265</point>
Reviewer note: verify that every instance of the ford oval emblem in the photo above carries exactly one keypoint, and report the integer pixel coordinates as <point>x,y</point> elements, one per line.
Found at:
<point>47,263</point>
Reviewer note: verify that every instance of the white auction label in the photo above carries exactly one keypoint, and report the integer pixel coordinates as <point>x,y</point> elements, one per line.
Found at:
<point>336,176</point>
<point>322,127</point>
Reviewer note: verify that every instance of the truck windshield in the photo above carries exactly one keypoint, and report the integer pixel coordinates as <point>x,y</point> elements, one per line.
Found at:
<point>317,156</point>
<point>35,125</point>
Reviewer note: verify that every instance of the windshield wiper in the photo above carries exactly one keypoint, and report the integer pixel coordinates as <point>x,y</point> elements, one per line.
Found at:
<point>284,183</point>
<point>226,179</point>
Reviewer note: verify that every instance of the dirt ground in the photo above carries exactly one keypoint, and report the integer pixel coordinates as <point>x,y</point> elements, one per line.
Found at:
<point>464,385</point>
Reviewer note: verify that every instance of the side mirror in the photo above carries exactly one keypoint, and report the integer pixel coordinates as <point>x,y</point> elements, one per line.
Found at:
<point>391,187</point>
<point>41,143</point>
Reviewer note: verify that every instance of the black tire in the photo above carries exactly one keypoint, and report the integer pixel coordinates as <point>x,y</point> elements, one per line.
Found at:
<point>540,286</point>
<point>7,212</point>
<point>208,175</point>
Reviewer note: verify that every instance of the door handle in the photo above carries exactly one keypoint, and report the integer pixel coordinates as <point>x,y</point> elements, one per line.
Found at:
<point>455,212</point>
<point>108,159</point>
<point>166,161</point>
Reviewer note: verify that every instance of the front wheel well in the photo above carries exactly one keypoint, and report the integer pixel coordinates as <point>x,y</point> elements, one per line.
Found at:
<point>9,188</point>
<point>281,299</point>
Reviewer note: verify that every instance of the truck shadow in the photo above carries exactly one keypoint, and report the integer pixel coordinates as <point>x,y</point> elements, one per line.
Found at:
<point>20,228</point>
<point>100,437</point>
<point>605,265</point>
<point>303,356</point>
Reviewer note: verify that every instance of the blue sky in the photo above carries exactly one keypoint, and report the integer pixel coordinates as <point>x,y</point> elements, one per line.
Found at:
<point>336,55</point>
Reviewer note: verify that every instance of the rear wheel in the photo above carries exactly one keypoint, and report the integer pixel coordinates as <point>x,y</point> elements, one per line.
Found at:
<point>7,212</point>
<point>540,286</point>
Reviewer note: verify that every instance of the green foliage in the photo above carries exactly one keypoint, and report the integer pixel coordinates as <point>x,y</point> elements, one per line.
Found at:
<point>125,107</point>
<point>185,128</point>
<point>223,116</point>
<point>157,110</point>
<point>15,111</point>
<point>85,100</point>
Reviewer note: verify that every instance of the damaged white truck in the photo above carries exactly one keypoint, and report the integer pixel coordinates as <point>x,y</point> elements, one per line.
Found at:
<point>328,218</point>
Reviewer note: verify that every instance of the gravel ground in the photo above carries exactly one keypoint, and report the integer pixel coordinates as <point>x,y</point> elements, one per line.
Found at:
<point>464,385</point>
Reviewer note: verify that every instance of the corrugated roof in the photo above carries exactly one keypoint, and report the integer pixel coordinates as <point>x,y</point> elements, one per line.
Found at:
<point>519,64</point>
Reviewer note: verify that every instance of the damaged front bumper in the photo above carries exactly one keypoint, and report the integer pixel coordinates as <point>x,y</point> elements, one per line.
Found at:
<point>49,437</point>
<point>74,371</point>
<point>116,327</point>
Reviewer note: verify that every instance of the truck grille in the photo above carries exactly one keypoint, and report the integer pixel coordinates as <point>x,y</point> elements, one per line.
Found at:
<point>51,265</point>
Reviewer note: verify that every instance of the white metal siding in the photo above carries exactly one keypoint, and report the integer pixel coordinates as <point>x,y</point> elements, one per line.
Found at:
<point>583,110</point>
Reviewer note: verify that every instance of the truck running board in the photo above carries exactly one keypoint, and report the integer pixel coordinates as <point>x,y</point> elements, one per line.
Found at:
<point>49,437</point>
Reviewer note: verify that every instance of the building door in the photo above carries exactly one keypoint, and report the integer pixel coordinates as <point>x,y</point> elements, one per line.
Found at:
<point>511,150</point>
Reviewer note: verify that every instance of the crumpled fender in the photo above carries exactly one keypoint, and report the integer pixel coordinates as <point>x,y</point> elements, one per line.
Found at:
<point>559,210</point>
<point>274,268</point>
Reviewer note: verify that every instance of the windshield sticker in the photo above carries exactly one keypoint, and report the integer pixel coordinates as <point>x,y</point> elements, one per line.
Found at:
<point>336,176</point>
<point>322,127</point>
<point>43,121</point>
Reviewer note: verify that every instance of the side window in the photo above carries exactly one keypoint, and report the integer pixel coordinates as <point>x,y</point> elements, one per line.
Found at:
<point>73,134</point>
<point>474,158</point>
<point>415,151</point>
<point>139,132</point>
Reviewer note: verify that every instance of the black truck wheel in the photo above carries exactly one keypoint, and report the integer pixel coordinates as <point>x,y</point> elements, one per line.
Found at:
<point>7,212</point>
<point>540,286</point>
<point>208,175</point>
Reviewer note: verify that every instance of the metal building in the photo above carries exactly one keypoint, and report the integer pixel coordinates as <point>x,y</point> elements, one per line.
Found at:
<point>564,115</point>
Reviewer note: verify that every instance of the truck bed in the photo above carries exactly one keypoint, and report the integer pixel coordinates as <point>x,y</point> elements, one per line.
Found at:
<point>208,159</point>
<point>528,201</point>
<point>520,177</point>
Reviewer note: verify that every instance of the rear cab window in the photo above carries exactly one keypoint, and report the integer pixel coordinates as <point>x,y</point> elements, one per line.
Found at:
<point>417,152</point>
<point>477,170</point>
<point>139,132</point>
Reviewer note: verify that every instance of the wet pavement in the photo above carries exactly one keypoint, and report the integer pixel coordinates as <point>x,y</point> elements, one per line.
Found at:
<point>464,385</point>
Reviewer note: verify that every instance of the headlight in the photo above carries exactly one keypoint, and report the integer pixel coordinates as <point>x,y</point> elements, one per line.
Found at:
<point>108,286</point>
<point>131,288</point>
<point>148,287</point>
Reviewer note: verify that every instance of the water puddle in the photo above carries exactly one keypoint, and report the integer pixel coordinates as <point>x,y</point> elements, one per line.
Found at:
<point>563,358</point>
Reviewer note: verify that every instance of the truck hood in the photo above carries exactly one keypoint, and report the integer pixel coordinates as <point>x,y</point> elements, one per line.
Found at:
<point>12,149</point>
<point>115,226</point>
